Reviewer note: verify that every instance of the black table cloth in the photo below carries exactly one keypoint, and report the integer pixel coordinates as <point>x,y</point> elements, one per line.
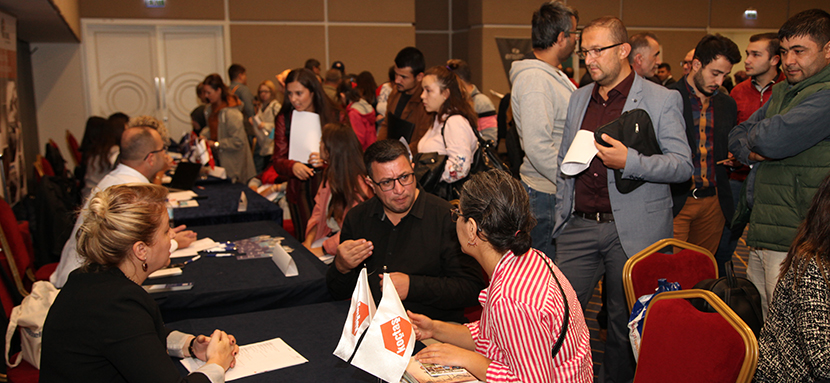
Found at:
<point>221,206</point>
<point>312,330</point>
<point>225,286</point>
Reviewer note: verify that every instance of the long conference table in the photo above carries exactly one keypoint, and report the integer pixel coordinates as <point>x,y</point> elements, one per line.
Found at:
<point>219,204</point>
<point>227,286</point>
<point>311,330</point>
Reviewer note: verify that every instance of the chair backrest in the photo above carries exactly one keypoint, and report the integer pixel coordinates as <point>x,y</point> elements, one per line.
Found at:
<point>15,256</point>
<point>681,344</point>
<point>74,147</point>
<point>689,266</point>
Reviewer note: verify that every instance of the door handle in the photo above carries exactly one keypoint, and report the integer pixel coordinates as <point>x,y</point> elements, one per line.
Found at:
<point>163,94</point>
<point>158,95</point>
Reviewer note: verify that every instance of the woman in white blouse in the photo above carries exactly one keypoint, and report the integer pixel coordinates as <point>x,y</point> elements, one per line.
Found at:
<point>454,131</point>
<point>264,121</point>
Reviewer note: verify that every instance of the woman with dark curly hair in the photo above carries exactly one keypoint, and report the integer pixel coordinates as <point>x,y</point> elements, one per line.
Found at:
<point>531,327</point>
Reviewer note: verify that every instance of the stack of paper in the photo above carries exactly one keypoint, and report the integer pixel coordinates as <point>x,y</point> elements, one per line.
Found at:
<point>194,248</point>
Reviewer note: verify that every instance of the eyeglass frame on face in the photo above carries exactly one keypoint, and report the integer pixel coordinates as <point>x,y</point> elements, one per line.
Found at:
<point>455,213</point>
<point>595,52</point>
<point>390,183</point>
<point>163,149</point>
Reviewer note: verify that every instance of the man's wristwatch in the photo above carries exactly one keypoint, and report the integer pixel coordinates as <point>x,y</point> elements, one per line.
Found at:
<point>216,144</point>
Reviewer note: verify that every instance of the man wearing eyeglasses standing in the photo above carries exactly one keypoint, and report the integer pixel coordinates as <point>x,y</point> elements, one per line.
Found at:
<point>597,227</point>
<point>142,156</point>
<point>411,234</point>
<point>539,98</point>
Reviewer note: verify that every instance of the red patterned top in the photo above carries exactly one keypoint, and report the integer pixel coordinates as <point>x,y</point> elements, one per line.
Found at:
<point>522,319</point>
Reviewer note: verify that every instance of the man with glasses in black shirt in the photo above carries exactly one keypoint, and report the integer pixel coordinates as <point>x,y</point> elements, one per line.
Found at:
<point>411,234</point>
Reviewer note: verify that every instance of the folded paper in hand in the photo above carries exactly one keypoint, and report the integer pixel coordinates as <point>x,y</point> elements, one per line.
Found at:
<point>580,154</point>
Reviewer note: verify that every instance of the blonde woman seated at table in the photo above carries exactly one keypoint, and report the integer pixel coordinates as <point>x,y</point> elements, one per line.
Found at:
<point>103,326</point>
<point>344,186</point>
<point>524,309</point>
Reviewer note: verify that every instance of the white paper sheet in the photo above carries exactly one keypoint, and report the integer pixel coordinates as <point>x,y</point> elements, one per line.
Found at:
<point>580,154</point>
<point>181,196</point>
<point>305,136</point>
<point>194,248</point>
<point>271,196</point>
<point>284,261</point>
<point>171,272</point>
<point>256,358</point>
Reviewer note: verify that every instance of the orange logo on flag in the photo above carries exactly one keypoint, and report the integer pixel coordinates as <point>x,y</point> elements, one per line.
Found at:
<point>360,315</point>
<point>396,335</point>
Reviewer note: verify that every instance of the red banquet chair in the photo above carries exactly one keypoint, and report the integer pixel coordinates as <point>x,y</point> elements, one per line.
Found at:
<point>689,266</point>
<point>73,147</point>
<point>682,344</point>
<point>24,372</point>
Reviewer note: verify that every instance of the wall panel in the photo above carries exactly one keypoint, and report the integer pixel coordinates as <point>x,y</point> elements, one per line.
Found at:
<point>660,13</point>
<point>434,46</point>
<point>178,9</point>
<point>372,10</point>
<point>432,15</point>
<point>376,52</point>
<point>265,51</point>
<point>591,9</point>
<point>276,10</point>
<point>730,14</point>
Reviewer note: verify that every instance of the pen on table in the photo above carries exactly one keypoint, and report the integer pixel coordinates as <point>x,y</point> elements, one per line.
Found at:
<point>219,255</point>
<point>172,265</point>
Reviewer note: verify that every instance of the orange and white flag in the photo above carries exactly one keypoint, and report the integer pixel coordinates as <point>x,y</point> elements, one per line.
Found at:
<point>360,315</point>
<point>389,341</point>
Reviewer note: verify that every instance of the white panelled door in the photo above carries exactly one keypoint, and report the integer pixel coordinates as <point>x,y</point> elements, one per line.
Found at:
<point>150,69</point>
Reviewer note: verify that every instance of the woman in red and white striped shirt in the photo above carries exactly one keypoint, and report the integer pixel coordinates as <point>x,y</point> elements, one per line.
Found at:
<point>524,307</point>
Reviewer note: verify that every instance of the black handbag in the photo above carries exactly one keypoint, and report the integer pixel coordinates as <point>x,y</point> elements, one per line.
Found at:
<point>740,294</point>
<point>428,169</point>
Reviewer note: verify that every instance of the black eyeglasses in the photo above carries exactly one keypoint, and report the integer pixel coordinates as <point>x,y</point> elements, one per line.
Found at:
<point>163,149</point>
<point>455,214</point>
<point>387,185</point>
<point>583,53</point>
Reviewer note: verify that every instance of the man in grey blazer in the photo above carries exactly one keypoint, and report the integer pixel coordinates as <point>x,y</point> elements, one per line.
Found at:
<point>597,227</point>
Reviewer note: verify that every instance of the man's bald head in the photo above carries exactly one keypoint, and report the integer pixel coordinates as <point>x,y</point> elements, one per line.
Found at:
<point>137,142</point>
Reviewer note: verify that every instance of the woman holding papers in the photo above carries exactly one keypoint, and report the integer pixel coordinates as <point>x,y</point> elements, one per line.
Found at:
<point>529,305</point>
<point>103,327</point>
<point>343,187</point>
<point>453,132</point>
<point>225,132</point>
<point>303,93</point>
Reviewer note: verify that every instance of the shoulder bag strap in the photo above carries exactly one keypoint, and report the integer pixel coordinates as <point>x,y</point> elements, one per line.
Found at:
<point>565,322</point>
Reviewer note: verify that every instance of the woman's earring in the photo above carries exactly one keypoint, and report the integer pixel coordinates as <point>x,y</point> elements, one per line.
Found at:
<point>472,242</point>
<point>144,266</point>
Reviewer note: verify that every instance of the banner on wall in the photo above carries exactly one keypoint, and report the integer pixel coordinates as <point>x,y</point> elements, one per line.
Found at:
<point>11,136</point>
<point>512,49</point>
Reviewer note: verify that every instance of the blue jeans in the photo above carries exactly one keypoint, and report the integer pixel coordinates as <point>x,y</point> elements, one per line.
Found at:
<point>543,206</point>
